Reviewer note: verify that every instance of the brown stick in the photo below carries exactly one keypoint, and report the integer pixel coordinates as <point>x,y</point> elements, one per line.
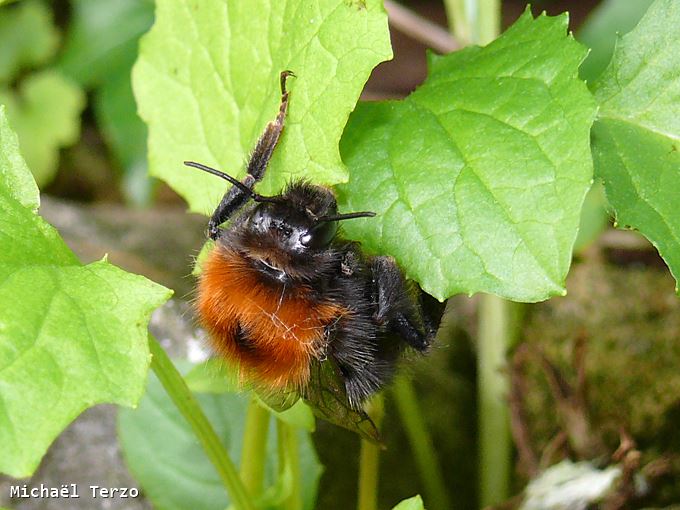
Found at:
<point>519,427</point>
<point>420,29</point>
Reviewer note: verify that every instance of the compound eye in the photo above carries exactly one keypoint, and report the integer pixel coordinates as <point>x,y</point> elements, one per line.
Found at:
<point>283,229</point>
<point>320,236</point>
<point>306,239</point>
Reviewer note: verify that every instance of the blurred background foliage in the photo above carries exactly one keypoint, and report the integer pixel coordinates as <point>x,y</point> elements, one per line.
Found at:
<point>65,78</point>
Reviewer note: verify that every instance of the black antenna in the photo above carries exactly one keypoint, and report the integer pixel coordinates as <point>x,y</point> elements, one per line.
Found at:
<point>348,216</point>
<point>229,178</point>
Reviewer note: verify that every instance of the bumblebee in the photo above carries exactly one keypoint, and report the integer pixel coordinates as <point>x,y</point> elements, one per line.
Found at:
<point>292,304</point>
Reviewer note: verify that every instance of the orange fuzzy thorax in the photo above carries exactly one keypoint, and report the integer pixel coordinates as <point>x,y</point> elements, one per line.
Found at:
<point>284,328</point>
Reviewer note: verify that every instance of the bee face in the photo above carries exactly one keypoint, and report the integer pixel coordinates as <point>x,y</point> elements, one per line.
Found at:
<point>280,226</point>
<point>289,230</point>
<point>294,223</point>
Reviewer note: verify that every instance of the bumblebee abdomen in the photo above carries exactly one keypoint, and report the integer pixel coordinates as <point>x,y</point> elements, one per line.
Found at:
<point>272,332</point>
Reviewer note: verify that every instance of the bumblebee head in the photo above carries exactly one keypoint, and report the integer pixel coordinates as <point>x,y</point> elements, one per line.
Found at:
<point>286,235</point>
<point>303,219</point>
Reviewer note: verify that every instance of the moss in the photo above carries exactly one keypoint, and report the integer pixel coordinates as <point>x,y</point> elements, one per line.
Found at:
<point>630,317</point>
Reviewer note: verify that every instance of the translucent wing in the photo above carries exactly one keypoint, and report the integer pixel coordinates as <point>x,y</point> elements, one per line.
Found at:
<point>327,397</point>
<point>280,400</point>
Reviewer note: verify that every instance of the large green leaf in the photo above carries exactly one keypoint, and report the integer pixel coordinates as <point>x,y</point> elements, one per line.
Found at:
<point>46,116</point>
<point>478,177</point>
<point>27,38</point>
<point>71,336</point>
<point>207,83</point>
<point>636,138</point>
<point>162,453</point>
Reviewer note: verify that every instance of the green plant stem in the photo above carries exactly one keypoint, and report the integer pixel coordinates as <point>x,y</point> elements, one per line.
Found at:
<point>474,21</point>
<point>478,22</point>
<point>289,456</point>
<point>499,322</point>
<point>494,434</point>
<point>369,461</point>
<point>254,450</point>
<point>436,495</point>
<point>188,406</point>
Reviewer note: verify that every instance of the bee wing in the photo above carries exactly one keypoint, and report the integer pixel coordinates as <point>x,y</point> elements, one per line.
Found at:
<point>279,401</point>
<point>327,397</point>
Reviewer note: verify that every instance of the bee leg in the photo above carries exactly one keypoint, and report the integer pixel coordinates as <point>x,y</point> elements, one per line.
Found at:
<point>354,351</point>
<point>236,198</point>
<point>395,306</point>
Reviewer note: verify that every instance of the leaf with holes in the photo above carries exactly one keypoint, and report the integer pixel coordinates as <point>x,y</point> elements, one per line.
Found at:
<point>636,138</point>
<point>478,177</point>
<point>71,336</point>
<point>207,83</point>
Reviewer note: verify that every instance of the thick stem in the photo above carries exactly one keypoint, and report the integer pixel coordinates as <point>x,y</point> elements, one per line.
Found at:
<point>488,21</point>
<point>474,21</point>
<point>499,322</point>
<point>494,436</point>
<point>478,22</point>
<point>436,495</point>
<point>254,452</point>
<point>458,26</point>
<point>289,458</point>
<point>369,461</point>
<point>188,406</point>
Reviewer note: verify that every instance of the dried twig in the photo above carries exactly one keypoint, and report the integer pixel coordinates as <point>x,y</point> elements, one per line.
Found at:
<point>420,29</point>
<point>571,404</point>
<point>519,423</point>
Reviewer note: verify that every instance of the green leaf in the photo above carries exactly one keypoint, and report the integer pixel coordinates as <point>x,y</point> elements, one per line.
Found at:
<point>414,503</point>
<point>599,32</point>
<point>28,38</point>
<point>46,117</point>
<point>71,336</point>
<point>162,454</point>
<point>478,177</point>
<point>14,174</point>
<point>636,138</point>
<point>207,83</point>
